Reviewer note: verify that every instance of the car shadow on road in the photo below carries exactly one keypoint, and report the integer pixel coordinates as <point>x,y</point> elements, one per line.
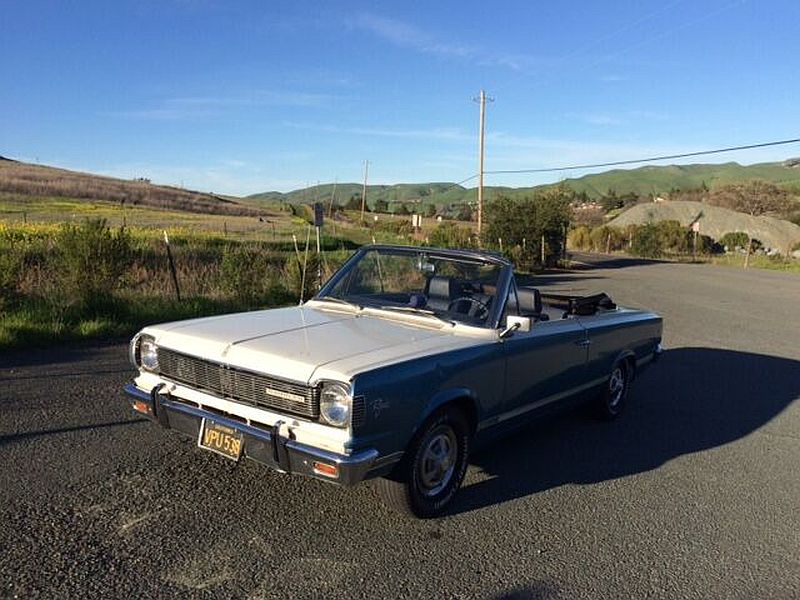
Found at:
<point>584,261</point>
<point>693,399</point>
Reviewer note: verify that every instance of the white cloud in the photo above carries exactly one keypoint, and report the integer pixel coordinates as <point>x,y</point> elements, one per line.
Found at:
<point>405,35</point>
<point>197,107</point>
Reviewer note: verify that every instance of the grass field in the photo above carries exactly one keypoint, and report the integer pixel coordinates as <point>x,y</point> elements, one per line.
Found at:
<point>757,261</point>
<point>224,263</point>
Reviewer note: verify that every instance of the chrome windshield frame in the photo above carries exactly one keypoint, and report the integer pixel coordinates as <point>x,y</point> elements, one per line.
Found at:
<point>504,280</point>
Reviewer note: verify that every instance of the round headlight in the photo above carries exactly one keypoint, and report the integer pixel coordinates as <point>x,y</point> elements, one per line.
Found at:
<point>148,353</point>
<point>335,403</point>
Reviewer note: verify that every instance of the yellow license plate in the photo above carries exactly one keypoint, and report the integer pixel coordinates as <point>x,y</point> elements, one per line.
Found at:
<point>220,439</point>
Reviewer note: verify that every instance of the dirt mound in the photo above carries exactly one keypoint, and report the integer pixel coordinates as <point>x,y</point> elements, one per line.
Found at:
<point>716,222</point>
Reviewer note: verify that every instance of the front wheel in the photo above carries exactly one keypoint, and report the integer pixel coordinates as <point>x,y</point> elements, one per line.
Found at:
<point>428,477</point>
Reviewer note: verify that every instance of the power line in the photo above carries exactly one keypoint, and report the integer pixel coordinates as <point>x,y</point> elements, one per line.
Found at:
<point>642,160</point>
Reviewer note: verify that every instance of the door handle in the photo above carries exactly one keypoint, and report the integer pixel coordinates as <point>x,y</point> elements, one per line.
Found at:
<point>583,343</point>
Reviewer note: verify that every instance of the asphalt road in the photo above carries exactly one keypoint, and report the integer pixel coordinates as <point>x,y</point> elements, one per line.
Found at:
<point>694,493</point>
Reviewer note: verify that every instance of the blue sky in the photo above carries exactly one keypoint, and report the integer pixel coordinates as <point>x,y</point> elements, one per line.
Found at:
<point>242,97</point>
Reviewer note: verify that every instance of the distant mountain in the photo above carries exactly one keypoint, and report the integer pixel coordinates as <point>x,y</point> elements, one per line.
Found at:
<point>643,181</point>
<point>440,193</point>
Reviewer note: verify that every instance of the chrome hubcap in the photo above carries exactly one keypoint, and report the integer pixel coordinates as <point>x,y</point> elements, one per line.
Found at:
<point>437,461</point>
<point>616,385</point>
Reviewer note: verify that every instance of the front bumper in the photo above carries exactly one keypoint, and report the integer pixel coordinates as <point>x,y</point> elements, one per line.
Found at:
<point>266,446</point>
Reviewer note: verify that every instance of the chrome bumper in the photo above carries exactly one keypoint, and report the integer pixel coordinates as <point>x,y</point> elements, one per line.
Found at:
<point>266,446</point>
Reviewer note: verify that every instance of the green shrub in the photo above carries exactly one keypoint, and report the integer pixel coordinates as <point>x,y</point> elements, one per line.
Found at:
<point>90,262</point>
<point>605,238</point>
<point>245,273</point>
<point>580,238</point>
<point>396,226</point>
<point>11,262</point>
<point>647,241</point>
<point>293,273</point>
<point>734,239</point>
<point>675,237</point>
<point>450,235</point>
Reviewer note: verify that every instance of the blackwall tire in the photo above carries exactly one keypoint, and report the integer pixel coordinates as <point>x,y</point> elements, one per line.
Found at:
<point>433,468</point>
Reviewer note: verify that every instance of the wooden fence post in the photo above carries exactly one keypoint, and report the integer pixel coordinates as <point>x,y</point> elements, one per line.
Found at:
<point>172,268</point>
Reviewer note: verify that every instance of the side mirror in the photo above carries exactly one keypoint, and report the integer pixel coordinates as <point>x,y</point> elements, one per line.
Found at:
<point>514,323</point>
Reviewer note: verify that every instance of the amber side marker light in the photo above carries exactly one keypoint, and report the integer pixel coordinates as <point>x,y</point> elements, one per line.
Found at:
<point>142,407</point>
<point>325,469</point>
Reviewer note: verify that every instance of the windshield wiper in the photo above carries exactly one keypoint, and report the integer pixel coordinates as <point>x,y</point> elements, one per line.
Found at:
<point>339,301</point>
<point>417,311</point>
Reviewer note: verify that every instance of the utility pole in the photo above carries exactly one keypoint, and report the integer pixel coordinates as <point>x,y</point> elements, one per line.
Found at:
<point>481,99</point>
<point>364,191</point>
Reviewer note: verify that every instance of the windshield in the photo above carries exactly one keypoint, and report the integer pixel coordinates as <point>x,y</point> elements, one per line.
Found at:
<point>452,288</point>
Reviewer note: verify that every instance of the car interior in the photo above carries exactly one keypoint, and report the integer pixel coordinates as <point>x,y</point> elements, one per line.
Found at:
<point>474,299</point>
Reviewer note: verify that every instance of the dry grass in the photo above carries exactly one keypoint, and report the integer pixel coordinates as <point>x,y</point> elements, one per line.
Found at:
<point>35,180</point>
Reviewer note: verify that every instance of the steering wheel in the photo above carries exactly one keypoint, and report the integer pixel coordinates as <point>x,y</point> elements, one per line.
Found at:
<point>477,309</point>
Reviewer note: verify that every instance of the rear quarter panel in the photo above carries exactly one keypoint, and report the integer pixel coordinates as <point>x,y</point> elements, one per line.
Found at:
<point>619,333</point>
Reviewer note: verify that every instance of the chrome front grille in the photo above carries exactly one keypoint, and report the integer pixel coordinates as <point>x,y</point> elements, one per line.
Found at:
<point>239,385</point>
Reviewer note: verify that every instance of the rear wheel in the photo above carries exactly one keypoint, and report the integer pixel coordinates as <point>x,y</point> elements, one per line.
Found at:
<point>428,477</point>
<point>615,393</point>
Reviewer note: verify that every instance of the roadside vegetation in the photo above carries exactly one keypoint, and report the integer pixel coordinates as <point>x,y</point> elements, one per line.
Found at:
<point>79,266</point>
<point>90,280</point>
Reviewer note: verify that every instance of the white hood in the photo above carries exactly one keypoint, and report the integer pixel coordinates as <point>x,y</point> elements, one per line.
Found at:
<point>295,342</point>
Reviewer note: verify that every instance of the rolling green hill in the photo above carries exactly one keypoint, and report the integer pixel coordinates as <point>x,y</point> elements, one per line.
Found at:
<point>650,180</point>
<point>643,181</point>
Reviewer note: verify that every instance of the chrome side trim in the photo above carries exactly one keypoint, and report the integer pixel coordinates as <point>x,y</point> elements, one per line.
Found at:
<point>486,423</point>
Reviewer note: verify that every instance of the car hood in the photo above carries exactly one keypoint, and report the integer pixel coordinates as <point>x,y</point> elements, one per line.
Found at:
<point>294,343</point>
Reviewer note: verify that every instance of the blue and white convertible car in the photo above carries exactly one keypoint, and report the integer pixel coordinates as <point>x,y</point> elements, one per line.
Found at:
<point>405,358</point>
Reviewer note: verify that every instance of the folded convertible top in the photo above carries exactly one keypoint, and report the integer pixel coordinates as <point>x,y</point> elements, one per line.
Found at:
<point>582,305</point>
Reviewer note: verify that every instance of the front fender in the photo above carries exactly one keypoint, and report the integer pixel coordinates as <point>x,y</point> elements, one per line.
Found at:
<point>443,397</point>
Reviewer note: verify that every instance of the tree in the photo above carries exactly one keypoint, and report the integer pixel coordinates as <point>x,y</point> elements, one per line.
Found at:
<point>398,208</point>
<point>524,223</point>
<point>755,198</point>
<point>381,206</point>
<point>464,213</point>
